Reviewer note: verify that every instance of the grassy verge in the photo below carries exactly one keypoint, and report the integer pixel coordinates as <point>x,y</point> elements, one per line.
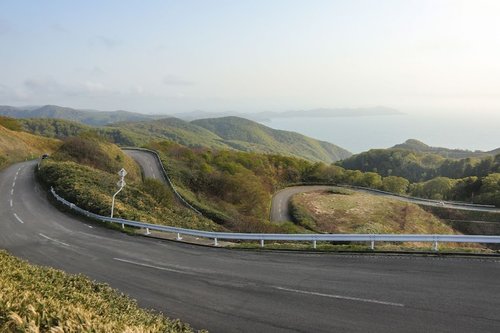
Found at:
<point>39,299</point>
<point>362,247</point>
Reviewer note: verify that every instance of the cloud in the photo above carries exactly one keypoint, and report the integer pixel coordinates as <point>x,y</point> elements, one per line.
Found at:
<point>172,80</point>
<point>105,41</point>
<point>42,85</point>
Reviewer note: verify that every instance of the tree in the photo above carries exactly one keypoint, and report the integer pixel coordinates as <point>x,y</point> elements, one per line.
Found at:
<point>437,188</point>
<point>395,184</point>
<point>371,180</point>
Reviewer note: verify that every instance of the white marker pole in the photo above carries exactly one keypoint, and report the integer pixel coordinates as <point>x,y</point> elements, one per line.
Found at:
<point>121,184</point>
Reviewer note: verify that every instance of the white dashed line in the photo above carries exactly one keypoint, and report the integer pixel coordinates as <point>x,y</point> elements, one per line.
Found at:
<point>18,219</point>
<point>53,240</point>
<point>12,192</point>
<point>14,184</point>
<point>91,227</point>
<point>152,266</point>
<point>365,300</point>
<point>11,202</point>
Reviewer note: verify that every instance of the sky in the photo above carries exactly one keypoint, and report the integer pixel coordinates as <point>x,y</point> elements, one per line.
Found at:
<point>250,56</point>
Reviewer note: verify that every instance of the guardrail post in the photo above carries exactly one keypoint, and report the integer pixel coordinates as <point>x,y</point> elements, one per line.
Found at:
<point>261,243</point>
<point>179,237</point>
<point>215,242</point>
<point>372,245</point>
<point>148,232</point>
<point>123,226</point>
<point>435,246</point>
<point>314,244</point>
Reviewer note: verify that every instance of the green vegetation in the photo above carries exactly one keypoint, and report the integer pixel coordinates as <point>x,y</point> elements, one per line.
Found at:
<point>233,188</point>
<point>174,129</point>
<point>58,128</point>
<point>38,299</point>
<point>84,171</point>
<point>418,146</point>
<point>17,146</point>
<point>247,135</point>
<point>420,166</point>
<point>229,133</point>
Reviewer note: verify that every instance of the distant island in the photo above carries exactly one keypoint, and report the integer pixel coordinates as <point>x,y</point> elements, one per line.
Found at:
<point>312,113</point>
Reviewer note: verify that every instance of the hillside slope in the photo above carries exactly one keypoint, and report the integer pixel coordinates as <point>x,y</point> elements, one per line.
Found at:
<point>247,135</point>
<point>174,129</point>
<point>419,146</point>
<point>134,129</point>
<point>16,146</point>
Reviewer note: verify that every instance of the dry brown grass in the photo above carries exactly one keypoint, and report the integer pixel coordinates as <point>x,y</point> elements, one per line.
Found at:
<point>37,299</point>
<point>17,146</point>
<point>366,214</point>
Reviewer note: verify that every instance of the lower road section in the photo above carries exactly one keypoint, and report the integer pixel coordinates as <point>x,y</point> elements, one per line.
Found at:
<point>244,291</point>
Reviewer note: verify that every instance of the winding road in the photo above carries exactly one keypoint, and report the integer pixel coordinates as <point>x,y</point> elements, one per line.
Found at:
<point>253,291</point>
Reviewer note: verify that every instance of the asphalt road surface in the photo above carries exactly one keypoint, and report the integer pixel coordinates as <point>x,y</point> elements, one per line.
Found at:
<point>148,163</point>
<point>245,291</point>
<point>280,201</point>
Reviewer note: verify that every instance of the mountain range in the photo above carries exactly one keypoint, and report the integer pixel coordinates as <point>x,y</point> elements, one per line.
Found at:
<point>128,128</point>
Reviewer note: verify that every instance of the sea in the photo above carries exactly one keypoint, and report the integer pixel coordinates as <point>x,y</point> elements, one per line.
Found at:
<point>358,134</point>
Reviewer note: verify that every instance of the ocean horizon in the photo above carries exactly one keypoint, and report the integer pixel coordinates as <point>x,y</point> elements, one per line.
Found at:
<point>358,134</point>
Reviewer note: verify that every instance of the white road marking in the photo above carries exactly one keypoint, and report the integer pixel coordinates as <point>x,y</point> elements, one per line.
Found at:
<point>17,218</point>
<point>91,227</point>
<point>12,192</point>
<point>152,266</point>
<point>13,184</point>
<point>53,240</point>
<point>365,300</point>
<point>11,202</point>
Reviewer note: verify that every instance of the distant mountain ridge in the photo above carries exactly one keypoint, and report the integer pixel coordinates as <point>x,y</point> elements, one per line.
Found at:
<point>419,146</point>
<point>127,128</point>
<point>89,117</point>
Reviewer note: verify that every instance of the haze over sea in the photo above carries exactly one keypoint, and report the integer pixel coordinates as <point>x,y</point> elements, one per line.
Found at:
<point>473,131</point>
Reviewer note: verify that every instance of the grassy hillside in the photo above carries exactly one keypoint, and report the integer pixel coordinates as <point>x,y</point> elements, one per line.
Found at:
<point>38,299</point>
<point>84,171</point>
<point>244,134</point>
<point>353,212</point>
<point>17,146</point>
<point>174,129</point>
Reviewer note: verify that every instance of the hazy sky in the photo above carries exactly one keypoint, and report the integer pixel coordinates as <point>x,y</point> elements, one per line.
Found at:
<point>171,56</point>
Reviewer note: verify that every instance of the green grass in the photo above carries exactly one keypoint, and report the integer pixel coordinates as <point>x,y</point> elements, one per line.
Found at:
<point>39,299</point>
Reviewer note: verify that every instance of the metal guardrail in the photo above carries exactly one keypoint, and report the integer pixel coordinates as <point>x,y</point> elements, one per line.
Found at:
<point>314,238</point>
